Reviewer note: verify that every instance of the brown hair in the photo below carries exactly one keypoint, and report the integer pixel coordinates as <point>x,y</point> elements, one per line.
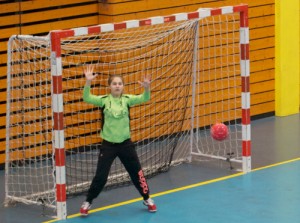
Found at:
<point>111,77</point>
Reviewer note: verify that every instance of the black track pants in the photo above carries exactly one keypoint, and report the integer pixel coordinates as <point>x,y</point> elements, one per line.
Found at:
<point>128,156</point>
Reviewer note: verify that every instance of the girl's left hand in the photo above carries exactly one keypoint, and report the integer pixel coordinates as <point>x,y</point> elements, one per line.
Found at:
<point>146,83</point>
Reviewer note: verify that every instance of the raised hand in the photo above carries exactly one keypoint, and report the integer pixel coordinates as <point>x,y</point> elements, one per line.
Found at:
<point>88,72</point>
<point>146,83</point>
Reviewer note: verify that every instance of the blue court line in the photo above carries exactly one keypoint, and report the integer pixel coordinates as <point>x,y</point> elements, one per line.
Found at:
<point>270,195</point>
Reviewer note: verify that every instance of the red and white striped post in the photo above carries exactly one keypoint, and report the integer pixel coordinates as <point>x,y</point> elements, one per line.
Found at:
<point>58,122</point>
<point>245,73</point>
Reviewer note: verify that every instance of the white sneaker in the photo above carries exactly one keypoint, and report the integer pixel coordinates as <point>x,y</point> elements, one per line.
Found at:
<point>84,209</point>
<point>150,204</point>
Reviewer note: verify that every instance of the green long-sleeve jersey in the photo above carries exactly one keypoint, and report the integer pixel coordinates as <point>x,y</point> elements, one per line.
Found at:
<point>116,127</point>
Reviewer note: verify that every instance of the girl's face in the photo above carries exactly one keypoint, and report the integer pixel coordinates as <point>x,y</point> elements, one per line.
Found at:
<point>116,87</point>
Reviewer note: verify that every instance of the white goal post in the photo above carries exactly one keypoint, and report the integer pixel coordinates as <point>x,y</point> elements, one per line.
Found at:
<point>199,63</point>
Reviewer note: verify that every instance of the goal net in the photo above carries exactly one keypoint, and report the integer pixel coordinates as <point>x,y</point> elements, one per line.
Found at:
<point>200,75</point>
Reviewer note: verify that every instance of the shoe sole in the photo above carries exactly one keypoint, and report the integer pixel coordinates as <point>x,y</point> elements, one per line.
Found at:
<point>83,214</point>
<point>152,211</point>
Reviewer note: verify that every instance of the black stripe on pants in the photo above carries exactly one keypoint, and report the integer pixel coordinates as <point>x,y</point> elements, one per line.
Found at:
<point>129,158</point>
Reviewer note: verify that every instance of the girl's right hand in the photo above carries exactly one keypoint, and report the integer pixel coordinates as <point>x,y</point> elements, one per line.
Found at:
<point>88,72</point>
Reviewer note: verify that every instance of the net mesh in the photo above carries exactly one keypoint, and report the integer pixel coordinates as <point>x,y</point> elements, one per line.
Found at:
<point>29,166</point>
<point>218,89</point>
<point>195,83</point>
<point>157,128</point>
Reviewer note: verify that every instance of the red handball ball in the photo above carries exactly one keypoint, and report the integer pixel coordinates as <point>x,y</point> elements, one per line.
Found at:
<point>219,131</point>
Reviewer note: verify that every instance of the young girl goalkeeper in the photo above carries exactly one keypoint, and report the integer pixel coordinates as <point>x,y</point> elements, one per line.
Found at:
<point>116,136</point>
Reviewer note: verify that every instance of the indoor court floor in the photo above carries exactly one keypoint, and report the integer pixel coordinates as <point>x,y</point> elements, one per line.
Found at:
<point>197,192</point>
<point>265,196</point>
